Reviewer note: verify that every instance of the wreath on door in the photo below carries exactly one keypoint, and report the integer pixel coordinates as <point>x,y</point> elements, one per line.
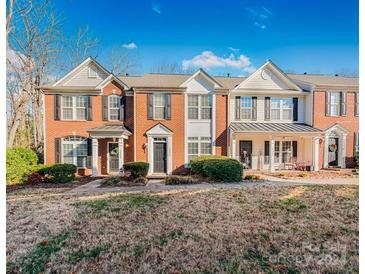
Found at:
<point>333,147</point>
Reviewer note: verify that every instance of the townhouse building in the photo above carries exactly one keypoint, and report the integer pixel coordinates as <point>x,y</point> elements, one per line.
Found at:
<point>269,121</point>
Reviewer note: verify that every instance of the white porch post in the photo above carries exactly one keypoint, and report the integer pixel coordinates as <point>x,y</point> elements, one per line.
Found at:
<point>169,155</point>
<point>342,151</point>
<point>272,152</point>
<point>95,153</point>
<point>121,154</point>
<point>316,153</point>
<point>150,153</point>
<point>234,148</point>
<point>325,150</point>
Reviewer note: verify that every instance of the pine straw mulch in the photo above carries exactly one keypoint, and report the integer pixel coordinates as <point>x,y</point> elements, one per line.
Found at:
<point>262,229</point>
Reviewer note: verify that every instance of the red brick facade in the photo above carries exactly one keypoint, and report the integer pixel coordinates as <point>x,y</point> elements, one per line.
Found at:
<point>349,122</point>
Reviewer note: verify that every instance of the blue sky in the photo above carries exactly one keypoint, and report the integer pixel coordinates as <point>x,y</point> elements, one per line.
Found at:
<point>225,36</point>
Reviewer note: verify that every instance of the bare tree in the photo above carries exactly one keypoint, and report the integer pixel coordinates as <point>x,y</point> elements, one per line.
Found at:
<point>171,67</point>
<point>121,60</point>
<point>32,46</point>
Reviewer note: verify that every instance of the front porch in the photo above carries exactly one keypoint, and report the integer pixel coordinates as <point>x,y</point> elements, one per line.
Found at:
<point>266,148</point>
<point>107,153</point>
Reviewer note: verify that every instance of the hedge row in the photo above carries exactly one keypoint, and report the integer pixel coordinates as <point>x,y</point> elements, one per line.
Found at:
<point>217,168</point>
<point>136,169</point>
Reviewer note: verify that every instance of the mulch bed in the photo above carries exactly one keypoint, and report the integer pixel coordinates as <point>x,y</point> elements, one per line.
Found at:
<point>322,174</point>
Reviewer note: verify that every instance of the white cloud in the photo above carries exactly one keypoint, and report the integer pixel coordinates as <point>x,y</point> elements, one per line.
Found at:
<point>261,26</point>
<point>156,8</point>
<point>130,46</point>
<point>234,49</point>
<point>208,59</point>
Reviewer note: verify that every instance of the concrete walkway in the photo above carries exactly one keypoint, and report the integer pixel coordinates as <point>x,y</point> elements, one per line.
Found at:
<point>158,185</point>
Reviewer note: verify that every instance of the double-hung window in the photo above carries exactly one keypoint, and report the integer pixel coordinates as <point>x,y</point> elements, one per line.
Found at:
<point>199,107</point>
<point>114,107</point>
<point>75,150</point>
<point>74,107</point>
<point>281,108</point>
<point>334,103</point>
<point>246,107</point>
<point>198,146</point>
<point>159,106</point>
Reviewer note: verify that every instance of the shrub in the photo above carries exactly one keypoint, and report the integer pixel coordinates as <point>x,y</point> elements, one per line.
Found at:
<point>252,177</point>
<point>111,180</point>
<point>180,180</point>
<point>19,163</point>
<point>34,178</point>
<point>197,164</point>
<point>140,180</point>
<point>137,169</point>
<point>357,158</point>
<point>59,173</point>
<point>229,170</point>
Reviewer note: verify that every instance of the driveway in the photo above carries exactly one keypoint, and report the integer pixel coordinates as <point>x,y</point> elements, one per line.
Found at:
<point>158,185</point>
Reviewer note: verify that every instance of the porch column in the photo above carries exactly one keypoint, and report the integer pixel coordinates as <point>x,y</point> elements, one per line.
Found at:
<point>95,153</point>
<point>234,148</point>
<point>121,155</point>
<point>150,153</point>
<point>342,151</point>
<point>272,152</point>
<point>316,153</point>
<point>325,150</point>
<point>169,155</point>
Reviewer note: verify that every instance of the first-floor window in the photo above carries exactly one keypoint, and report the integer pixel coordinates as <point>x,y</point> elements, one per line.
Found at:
<point>286,151</point>
<point>283,151</point>
<point>75,150</point>
<point>198,146</point>
<point>277,152</point>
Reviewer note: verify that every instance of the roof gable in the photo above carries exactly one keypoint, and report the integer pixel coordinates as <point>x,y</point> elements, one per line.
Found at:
<point>199,78</point>
<point>159,130</point>
<point>270,77</point>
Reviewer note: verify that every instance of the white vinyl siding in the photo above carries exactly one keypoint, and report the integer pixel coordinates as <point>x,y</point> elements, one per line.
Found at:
<point>82,78</point>
<point>74,107</point>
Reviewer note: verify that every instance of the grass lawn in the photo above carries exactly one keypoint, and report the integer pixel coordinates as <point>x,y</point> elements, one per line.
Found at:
<point>263,229</point>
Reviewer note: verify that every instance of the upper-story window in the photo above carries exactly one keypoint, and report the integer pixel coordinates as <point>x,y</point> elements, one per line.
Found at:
<point>114,107</point>
<point>159,106</point>
<point>75,150</point>
<point>199,107</point>
<point>74,107</point>
<point>334,103</point>
<point>246,107</point>
<point>356,104</point>
<point>281,108</point>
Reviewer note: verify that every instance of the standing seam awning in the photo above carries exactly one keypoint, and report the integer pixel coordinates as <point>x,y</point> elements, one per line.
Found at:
<point>273,127</point>
<point>109,130</point>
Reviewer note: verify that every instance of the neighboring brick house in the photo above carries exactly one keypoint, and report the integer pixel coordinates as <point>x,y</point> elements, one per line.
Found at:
<point>99,121</point>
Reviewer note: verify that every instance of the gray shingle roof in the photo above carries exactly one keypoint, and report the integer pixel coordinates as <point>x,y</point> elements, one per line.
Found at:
<point>110,128</point>
<point>175,80</point>
<point>271,127</point>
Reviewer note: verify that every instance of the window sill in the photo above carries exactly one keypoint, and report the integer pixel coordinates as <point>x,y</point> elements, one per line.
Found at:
<point>63,120</point>
<point>199,120</point>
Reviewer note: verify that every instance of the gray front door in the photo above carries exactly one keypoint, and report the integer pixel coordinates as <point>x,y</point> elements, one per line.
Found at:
<point>159,157</point>
<point>113,155</point>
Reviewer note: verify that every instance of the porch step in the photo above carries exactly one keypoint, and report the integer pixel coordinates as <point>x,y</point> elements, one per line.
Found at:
<point>157,176</point>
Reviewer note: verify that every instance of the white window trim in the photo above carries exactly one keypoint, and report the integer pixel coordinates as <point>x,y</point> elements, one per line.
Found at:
<point>154,106</point>
<point>241,108</point>
<point>200,107</point>
<point>109,108</point>
<point>280,160</point>
<point>74,108</point>
<point>199,141</point>
<point>74,154</point>
<point>281,109</point>
<point>338,104</point>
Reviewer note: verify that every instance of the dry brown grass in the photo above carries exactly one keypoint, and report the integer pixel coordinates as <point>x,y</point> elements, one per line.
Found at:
<point>264,229</point>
